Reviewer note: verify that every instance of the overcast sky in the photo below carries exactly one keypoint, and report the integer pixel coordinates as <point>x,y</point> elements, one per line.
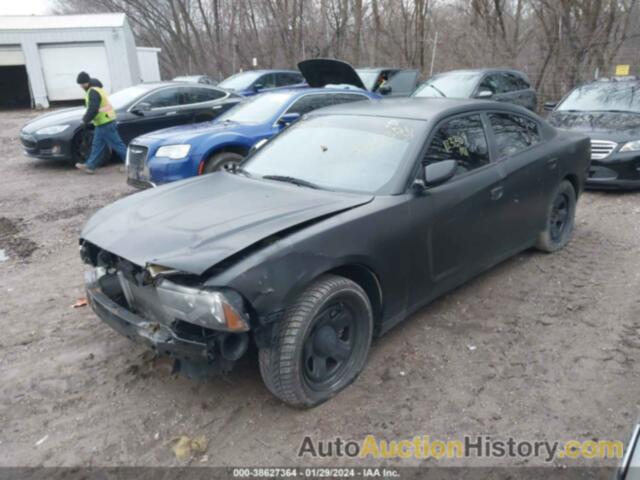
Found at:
<point>24,7</point>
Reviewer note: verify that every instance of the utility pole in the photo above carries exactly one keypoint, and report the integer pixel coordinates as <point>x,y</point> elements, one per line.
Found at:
<point>433,53</point>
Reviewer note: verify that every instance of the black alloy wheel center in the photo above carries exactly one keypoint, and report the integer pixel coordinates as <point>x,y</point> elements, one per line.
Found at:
<point>329,346</point>
<point>559,216</point>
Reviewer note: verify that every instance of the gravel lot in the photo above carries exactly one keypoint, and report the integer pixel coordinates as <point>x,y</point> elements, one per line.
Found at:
<point>543,347</point>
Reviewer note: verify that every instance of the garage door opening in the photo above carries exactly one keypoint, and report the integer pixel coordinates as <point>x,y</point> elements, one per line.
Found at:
<point>14,87</point>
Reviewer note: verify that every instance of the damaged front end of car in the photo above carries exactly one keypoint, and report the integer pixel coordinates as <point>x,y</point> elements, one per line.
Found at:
<point>204,330</point>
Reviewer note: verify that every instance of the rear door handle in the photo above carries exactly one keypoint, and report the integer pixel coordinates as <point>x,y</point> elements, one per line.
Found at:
<point>171,113</point>
<point>552,163</point>
<point>216,107</point>
<point>496,193</point>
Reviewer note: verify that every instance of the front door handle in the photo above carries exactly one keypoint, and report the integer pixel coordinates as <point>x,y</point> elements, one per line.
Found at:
<point>496,193</point>
<point>216,107</point>
<point>168,114</point>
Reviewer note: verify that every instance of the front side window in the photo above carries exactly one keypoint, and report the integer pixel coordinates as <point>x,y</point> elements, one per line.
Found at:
<point>513,133</point>
<point>342,152</point>
<point>266,81</point>
<point>462,139</point>
<point>494,83</point>
<point>164,98</point>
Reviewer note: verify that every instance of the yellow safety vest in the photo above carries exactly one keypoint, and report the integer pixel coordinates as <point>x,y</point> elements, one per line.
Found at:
<point>106,113</point>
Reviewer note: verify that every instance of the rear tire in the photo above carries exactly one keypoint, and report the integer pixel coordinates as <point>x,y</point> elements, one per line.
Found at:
<point>223,161</point>
<point>560,219</point>
<point>321,344</point>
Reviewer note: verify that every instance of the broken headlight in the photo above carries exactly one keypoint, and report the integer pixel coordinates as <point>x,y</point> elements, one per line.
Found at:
<point>207,308</point>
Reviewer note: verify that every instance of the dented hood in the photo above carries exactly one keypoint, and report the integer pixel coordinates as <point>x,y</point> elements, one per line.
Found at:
<point>320,72</point>
<point>195,224</point>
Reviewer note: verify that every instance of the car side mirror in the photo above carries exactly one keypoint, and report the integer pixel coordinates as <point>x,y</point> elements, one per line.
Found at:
<point>484,94</point>
<point>630,465</point>
<point>439,172</point>
<point>257,87</point>
<point>141,108</point>
<point>287,119</point>
<point>548,106</point>
<point>385,90</point>
<point>257,146</point>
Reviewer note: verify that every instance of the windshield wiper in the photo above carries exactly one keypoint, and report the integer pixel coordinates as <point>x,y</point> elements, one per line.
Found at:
<point>294,180</point>
<point>437,90</point>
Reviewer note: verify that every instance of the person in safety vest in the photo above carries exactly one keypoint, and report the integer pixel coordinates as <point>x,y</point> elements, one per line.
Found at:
<point>101,114</point>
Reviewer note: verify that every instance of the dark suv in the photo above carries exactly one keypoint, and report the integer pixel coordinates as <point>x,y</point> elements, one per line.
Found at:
<point>501,85</point>
<point>608,111</point>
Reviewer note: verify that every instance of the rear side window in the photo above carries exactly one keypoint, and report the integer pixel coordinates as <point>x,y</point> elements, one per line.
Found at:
<point>462,139</point>
<point>513,133</point>
<point>308,103</point>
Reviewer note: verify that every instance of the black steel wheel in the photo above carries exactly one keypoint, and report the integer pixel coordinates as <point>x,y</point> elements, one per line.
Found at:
<point>81,147</point>
<point>560,219</point>
<point>321,345</point>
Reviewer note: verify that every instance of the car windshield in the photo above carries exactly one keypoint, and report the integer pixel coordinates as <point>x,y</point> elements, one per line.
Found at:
<point>452,85</point>
<point>259,109</point>
<point>240,81</point>
<point>124,97</point>
<point>340,152</point>
<point>368,77</point>
<point>621,96</point>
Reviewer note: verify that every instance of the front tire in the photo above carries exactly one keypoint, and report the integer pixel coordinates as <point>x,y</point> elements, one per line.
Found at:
<point>321,344</point>
<point>223,161</point>
<point>560,219</point>
<point>81,147</point>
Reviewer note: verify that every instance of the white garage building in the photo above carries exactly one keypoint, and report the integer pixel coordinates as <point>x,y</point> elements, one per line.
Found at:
<point>40,57</point>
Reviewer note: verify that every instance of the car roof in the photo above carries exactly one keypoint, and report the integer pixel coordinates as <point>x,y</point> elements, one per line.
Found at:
<point>482,71</point>
<point>416,108</point>
<point>267,71</point>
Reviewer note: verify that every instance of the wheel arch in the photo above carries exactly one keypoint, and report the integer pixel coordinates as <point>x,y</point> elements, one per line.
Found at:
<point>575,183</point>
<point>368,280</point>
<point>233,147</point>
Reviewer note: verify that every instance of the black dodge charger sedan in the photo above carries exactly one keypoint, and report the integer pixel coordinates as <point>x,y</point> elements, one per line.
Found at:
<point>609,112</point>
<point>332,232</point>
<point>140,109</point>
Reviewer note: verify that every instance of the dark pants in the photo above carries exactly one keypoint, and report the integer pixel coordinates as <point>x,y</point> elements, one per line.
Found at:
<point>105,136</point>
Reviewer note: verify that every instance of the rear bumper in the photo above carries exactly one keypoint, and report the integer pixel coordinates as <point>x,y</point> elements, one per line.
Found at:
<point>621,171</point>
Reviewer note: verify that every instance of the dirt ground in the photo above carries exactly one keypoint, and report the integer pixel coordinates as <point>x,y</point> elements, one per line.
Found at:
<point>543,347</point>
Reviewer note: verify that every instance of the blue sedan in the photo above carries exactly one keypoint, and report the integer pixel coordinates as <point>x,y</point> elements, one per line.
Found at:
<point>182,152</point>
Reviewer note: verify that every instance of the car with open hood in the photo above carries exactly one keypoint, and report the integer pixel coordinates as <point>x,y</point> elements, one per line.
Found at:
<point>332,232</point>
<point>608,111</point>
<point>182,152</point>
<point>143,108</point>
<point>497,84</point>
<point>389,82</point>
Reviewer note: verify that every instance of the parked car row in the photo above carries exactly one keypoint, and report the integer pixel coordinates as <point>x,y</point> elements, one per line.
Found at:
<point>608,111</point>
